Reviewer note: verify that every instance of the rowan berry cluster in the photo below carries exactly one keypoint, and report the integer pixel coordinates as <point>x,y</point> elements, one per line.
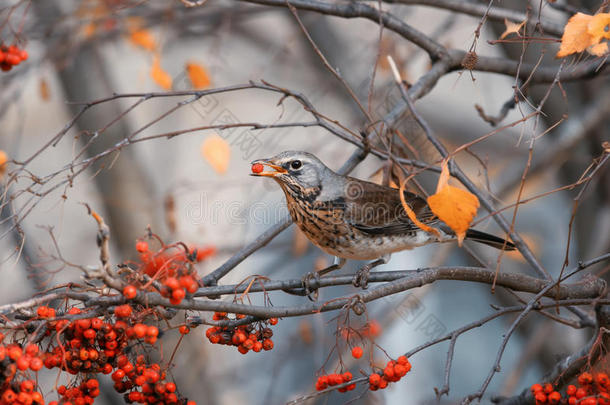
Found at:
<point>20,393</point>
<point>254,336</point>
<point>393,372</point>
<point>170,262</point>
<point>85,347</point>
<point>330,380</point>
<point>590,390</point>
<point>172,267</point>
<point>11,56</point>
<point>84,393</point>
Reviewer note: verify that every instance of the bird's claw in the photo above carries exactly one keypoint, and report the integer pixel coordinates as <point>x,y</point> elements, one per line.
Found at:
<point>306,289</point>
<point>361,278</point>
<point>306,280</point>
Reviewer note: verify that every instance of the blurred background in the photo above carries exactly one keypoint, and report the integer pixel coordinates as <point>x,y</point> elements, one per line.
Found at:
<point>195,187</point>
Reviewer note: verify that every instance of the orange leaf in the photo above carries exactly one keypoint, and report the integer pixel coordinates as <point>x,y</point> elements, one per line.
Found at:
<point>3,160</point>
<point>217,152</point>
<point>454,206</point>
<point>576,37</point>
<point>160,76</point>
<point>412,215</point>
<point>144,39</point>
<point>198,75</point>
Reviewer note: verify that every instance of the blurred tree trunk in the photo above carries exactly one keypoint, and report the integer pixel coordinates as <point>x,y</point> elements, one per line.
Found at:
<point>122,183</point>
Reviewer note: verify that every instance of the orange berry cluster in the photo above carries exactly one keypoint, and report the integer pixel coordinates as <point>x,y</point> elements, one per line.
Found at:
<point>85,393</point>
<point>393,372</point>
<point>169,262</point>
<point>254,336</point>
<point>330,380</point>
<point>22,393</point>
<point>591,390</point>
<point>11,56</point>
<point>146,383</point>
<point>87,346</point>
<point>176,288</point>
<point>172,267</point>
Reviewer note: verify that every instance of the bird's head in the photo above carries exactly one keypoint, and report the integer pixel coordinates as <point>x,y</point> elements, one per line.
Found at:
<point>292,169</point>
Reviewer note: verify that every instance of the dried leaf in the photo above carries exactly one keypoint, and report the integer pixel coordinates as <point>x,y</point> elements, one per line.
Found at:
<point>43,88</point>
<point>198,76</point>
<point>300,243</point>
<point>144,39</point>
<point>412,215</point>
<point>511,28</point>
<point>217,152</point>
<point>454,206</point>
<point>160,76</point>
<point>575,36</point>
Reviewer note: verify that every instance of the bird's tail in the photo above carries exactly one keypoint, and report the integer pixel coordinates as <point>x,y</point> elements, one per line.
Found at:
<point>491,240</point>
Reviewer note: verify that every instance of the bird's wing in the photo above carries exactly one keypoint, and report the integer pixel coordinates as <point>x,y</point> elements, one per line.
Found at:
<point>377,210</point>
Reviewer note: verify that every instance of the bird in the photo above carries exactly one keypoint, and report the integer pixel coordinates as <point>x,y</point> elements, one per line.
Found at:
<point>356,219</point>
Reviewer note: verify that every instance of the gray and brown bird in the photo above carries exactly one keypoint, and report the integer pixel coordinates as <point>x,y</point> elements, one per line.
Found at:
<point>351,218</point>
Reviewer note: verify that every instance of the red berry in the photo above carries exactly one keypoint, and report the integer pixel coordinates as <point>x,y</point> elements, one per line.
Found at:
<point>12,59</point>
<point>172,283</point>
<point>357,352</point>
<point>257,168</point>
<point>130,292</point>
<point>184,330</point>
<point>268,344</point>
<point>554,397</point>
<point>273,321</point>
<point>141,246</point>
<point>123,311</point>
<point>585,379</point>
<point>571,390</point>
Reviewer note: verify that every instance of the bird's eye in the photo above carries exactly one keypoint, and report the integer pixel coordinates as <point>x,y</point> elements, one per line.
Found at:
<point>296,164</point>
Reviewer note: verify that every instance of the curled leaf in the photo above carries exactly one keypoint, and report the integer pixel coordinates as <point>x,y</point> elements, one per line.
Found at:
<point>454,206</point>
<point>411,213</point>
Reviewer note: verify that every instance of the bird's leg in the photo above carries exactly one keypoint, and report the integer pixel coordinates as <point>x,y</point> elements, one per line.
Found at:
<point>338,263</point>
<point>315,275</point>
<point>361,278</point>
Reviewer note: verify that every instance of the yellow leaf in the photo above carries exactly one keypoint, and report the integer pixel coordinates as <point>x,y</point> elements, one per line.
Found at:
<point>144,39</point>
<point>511,28</point>
<point>454,206</point>
<point>217,152</point>
<point>599,27</point>
<point>576,37</point>
<point>198,75</point>
<point>160,76</point>
<point>412,215</point>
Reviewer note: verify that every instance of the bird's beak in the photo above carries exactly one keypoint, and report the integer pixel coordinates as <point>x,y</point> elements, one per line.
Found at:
<point>267,163</point>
